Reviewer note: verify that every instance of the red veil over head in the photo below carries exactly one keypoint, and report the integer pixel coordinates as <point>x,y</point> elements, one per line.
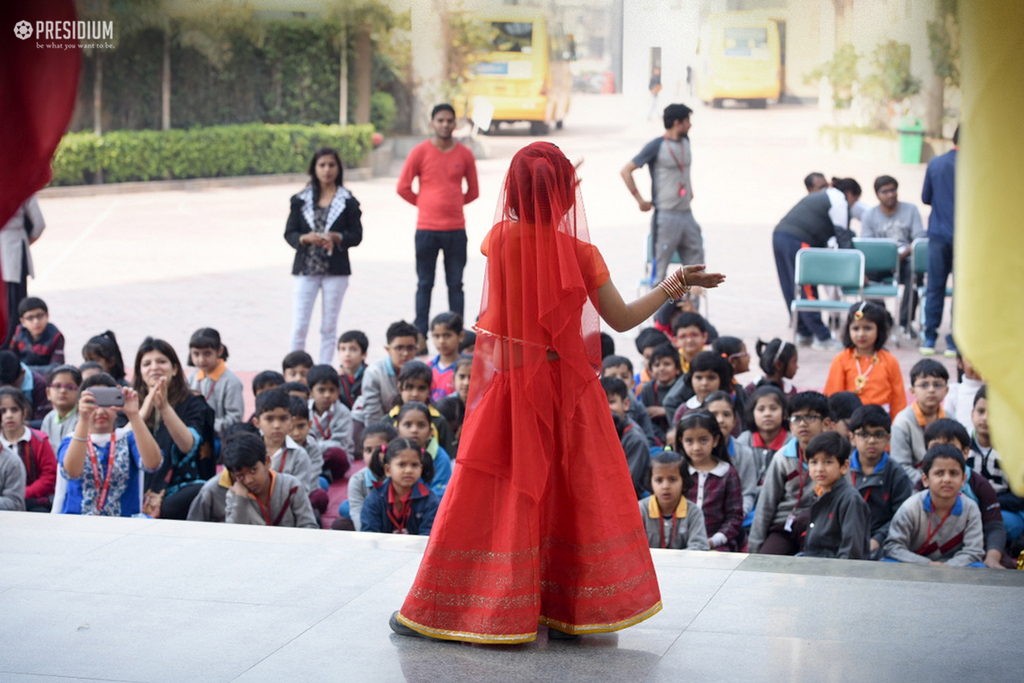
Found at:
<point>538,323</point>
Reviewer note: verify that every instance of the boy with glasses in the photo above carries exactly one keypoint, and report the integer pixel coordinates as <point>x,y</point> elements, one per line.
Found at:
<point>782,512</point>
<point>929,385</point>
<point>881,482</point>
<point>380,380</point>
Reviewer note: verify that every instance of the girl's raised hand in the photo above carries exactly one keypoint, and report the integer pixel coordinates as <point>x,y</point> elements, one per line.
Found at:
<point>159,394</point>
<point>86,404</point>
<point>131,402</point>
<point>697,276</point>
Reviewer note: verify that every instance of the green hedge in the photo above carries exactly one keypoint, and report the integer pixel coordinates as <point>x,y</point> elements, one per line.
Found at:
<point>215,151</point>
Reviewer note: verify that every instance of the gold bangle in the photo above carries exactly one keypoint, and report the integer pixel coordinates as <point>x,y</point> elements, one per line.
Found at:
<point>682,274</point>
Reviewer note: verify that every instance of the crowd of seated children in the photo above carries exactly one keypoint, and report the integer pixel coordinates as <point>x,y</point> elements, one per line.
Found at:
<point>380,380</point>
<point>670,520</point>
<point>928,384</point>
<point>403,504</point>
<point>877,478</point>
<point>839,523</point>
<point>37,342</point>
<point>212,379</point>
<point>716,488</point>
<point>865,367</point>
<point>634,442</point>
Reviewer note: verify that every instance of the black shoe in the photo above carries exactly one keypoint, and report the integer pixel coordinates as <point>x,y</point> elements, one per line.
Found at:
<point>401,629</point>
<point>555,634</point>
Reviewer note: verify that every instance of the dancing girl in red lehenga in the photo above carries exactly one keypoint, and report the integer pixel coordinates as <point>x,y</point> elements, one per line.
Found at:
<point>539,524</point>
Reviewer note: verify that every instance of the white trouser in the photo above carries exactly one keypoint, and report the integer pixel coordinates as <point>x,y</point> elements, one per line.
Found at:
<point>303,297</point>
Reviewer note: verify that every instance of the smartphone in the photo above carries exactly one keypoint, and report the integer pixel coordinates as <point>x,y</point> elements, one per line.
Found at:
<point>107,397</point>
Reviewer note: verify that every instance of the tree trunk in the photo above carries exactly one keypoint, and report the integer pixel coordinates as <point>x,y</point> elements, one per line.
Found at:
<point>364,69</point>
<point>97,93</point>
<point>165,95</point>
<point>343,81</point>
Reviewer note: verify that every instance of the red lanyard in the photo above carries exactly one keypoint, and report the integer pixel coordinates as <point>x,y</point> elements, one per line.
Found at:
<point>661,531</point>
<point>213,383</point>
<point>316,421</point>
<point>399,523</point>
<point>673,154</point>
<point>867,491</point>
<point>105,486</point>
<point>800,470</point>
<point>265,510</point>
<point>284,457</point>
<point>928,538</point>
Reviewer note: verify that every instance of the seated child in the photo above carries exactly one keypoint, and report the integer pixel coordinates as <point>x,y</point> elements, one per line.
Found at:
<point>373,440</point>
<point>468,343</point>
<point>669,518</point>
<point>959,401</point>
<point>766,410</point>
<point>453,407</point>
<point>840,521</point>
<point>300,435</point>
<point>258,494</point>
<point>709,373</point>
<point>274,419</point>
<point>209,503</point>
<point>864,367</point>
<point>265,381</point>
<point>843,404</point>
<point>32,448</point>
<point>380,380</point>
<point>717,490</point>
<point>779,361</point>
<point>413,422</point>
<point>297,389</point>
<point>690,336</point>
<point>332,421</point>
<point>403,504</point>
<point>634,443</point>
<point>12,481</point>
<point>14,373</point>
<point>446,333</point>
<point>938,526</point>
<point>881,482</point>
<point>783,507</point>
<point>38,343</point>
<point>984,459</point>
<point>928,385</point>
<point>622,367</point>
<point>977,488</point>
<point>88,369</point>
<point>352,348</point>
<point>295,366</point>
<point>414,385</point>
<point>103,349</point>
<point>741,455</point>
<point>63,394</point>
<point>734,351</point>
<point>213,380</point>
<point>103,466</point>
<point>648,340</point>
<point>665,373</point>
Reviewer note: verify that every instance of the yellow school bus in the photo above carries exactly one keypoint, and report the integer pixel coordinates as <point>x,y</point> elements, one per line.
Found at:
<point>525,76</point>
<point>738,58</point>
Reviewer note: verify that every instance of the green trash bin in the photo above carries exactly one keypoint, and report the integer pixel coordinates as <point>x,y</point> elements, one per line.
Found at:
<point>911,140</point>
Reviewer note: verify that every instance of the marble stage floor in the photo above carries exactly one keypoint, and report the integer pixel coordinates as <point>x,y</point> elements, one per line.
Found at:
<point>143,600</point>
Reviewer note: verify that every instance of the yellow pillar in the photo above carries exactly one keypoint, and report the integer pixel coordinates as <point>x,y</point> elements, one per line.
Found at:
<point>989,246</point>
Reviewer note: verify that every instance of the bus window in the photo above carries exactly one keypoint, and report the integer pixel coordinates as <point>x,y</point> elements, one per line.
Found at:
<point>746,42</point>
<point>512,36</point>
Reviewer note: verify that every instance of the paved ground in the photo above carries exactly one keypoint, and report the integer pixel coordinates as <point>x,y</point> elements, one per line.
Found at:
<point>167,262</point>
<point>99,599</point>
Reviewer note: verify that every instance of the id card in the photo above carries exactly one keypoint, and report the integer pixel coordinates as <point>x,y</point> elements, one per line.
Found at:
<point>682,190</point>
<point>789,523</point>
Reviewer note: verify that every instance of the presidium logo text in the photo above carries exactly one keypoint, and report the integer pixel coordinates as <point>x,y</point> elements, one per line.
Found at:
<point>65,30</point>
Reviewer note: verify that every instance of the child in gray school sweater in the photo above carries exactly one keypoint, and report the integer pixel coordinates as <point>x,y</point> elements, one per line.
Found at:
<point>938,526</point>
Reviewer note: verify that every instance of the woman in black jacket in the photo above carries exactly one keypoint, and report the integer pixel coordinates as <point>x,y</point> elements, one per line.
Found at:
<point>322,226</point>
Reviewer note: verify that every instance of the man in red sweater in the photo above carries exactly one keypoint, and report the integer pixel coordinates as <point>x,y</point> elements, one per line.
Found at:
<point>440,163</point>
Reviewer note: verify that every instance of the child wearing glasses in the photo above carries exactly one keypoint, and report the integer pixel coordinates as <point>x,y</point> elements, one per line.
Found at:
<point>380,380</point>
<point>783,507</point>
<point>38,343</point>
<point>880,481</point>
<point>929,385</point>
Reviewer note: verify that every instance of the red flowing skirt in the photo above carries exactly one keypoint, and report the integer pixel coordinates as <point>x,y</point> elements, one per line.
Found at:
<point>501,560</point>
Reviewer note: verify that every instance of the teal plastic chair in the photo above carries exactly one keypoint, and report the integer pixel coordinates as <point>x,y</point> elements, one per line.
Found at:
<point>920,248</point>
<point>843,268</point>
<point>881,255</point>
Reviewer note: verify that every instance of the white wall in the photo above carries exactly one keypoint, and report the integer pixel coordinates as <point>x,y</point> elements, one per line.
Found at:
<point>671,25</point>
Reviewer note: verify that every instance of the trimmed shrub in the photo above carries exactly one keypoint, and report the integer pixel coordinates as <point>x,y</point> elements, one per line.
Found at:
<point>211,152</point>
